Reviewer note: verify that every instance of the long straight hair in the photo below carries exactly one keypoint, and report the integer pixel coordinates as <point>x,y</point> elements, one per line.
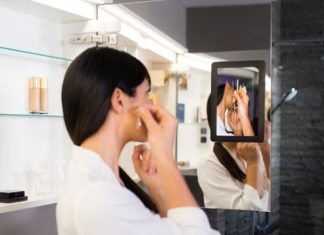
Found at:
<point>220,152</point>
<point>87,89</point>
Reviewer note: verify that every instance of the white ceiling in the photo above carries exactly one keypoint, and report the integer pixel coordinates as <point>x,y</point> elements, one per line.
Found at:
<point>209,3</point>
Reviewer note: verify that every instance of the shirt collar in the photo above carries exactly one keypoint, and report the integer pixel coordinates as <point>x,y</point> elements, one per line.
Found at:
<point>87,160</point>
<point>221,128</point>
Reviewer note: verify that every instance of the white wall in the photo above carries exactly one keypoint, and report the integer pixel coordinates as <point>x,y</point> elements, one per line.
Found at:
<point>189,146</point>
<point>29,143</point>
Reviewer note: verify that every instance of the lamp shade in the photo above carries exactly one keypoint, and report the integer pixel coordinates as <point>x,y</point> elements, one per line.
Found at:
<point>157,77</point>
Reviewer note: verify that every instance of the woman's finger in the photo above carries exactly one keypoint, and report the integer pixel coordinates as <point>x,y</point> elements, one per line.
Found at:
<point>147,118</point>
<point>146,158</point>
<point>158,112</point>
<point>238,97</point>
<point>152,167</point>
<point>136,157</point>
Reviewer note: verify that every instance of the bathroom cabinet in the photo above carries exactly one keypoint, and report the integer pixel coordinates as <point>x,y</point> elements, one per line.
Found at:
<point>35,148</point>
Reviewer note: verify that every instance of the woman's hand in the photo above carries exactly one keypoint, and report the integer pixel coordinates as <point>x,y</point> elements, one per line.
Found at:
<point>146,169</point>
<point>266,147</point>
<point>243,112</point>
<point>234,123</point>
<point>250,152</point>
<point>162,128</point>
<point>243,103</point>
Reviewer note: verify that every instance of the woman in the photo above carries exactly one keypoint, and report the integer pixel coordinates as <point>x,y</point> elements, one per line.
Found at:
<point>229,121</point>
<point>234,175</point>
<point>225,98</point>
<point>105,105</point>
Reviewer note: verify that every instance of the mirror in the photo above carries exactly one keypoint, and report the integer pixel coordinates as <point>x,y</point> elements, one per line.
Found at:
<point>236,84</point>
<point>214,173</point>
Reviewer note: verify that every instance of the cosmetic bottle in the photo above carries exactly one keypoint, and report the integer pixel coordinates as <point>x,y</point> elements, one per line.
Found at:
<point>43,96</point>
<point>34,93</point>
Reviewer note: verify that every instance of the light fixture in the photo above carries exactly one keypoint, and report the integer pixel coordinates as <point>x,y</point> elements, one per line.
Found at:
<point>131,19</point>
<point>146,42</point>
<point>288,96</point>
<point>157,77</point>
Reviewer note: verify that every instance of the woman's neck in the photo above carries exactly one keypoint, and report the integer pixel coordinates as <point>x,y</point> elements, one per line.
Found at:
<point>108,145</point>
<point>230,146</point>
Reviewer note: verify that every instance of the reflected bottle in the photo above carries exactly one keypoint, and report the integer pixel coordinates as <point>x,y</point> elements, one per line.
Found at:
<point>34,95</point>
<point>43,96</point>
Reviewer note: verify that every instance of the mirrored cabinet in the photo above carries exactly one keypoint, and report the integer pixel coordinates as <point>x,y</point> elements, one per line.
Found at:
<point>37,48</point>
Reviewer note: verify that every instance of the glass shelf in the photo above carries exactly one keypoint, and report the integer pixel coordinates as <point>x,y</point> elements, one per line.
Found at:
<point>31,115</point>
<point>36,54</point>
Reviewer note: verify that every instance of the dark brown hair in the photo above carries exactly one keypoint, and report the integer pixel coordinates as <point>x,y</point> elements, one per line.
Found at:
<point>220,152</point>
<point>89,84</point>
<point>87,89</point>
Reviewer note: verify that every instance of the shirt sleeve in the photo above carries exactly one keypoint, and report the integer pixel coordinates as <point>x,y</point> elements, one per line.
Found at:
<point>222,191</point>
<point>115,210</point>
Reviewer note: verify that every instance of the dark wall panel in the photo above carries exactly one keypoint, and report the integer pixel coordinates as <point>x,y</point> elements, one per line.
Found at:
<point>232,28</point>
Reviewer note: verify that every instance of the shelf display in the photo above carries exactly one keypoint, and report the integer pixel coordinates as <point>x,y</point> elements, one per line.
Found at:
<point>49,72</point>
<point>7,50</point>
<point>30,115</point>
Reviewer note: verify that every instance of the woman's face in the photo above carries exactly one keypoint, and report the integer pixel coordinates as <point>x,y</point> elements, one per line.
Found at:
<point>135,129</point>
<point>229,91</point>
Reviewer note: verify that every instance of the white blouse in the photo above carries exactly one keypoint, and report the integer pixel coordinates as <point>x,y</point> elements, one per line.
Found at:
<point>95,202</point>
<point>221,190</point>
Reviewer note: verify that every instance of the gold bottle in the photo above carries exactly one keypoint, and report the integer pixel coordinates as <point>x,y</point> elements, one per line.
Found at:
<point>34,93</point>
<point>43,96</point>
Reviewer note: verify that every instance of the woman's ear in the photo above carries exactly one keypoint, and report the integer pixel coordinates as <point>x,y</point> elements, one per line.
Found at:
<point>118,101</point>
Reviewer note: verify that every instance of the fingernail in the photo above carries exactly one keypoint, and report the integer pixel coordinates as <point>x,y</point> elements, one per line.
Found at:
<point>140,109</point>
<point>138,123</point>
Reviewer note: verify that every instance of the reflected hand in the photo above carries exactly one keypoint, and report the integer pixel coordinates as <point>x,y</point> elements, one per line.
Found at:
<point>250,152</point>
<point>266,146</point>
<point>234,122</point>
<point>243,103</point>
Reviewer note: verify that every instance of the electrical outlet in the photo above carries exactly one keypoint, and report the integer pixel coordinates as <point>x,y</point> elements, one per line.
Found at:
<point>203,135</point>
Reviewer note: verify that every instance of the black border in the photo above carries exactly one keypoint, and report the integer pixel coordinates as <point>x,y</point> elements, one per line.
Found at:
<point>260,65</point>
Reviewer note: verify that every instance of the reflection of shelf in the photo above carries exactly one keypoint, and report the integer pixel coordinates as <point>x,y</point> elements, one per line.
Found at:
<point>31,115</point>
<point>30,203</point>
<point>13,50</point>
<point>188,170</point>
